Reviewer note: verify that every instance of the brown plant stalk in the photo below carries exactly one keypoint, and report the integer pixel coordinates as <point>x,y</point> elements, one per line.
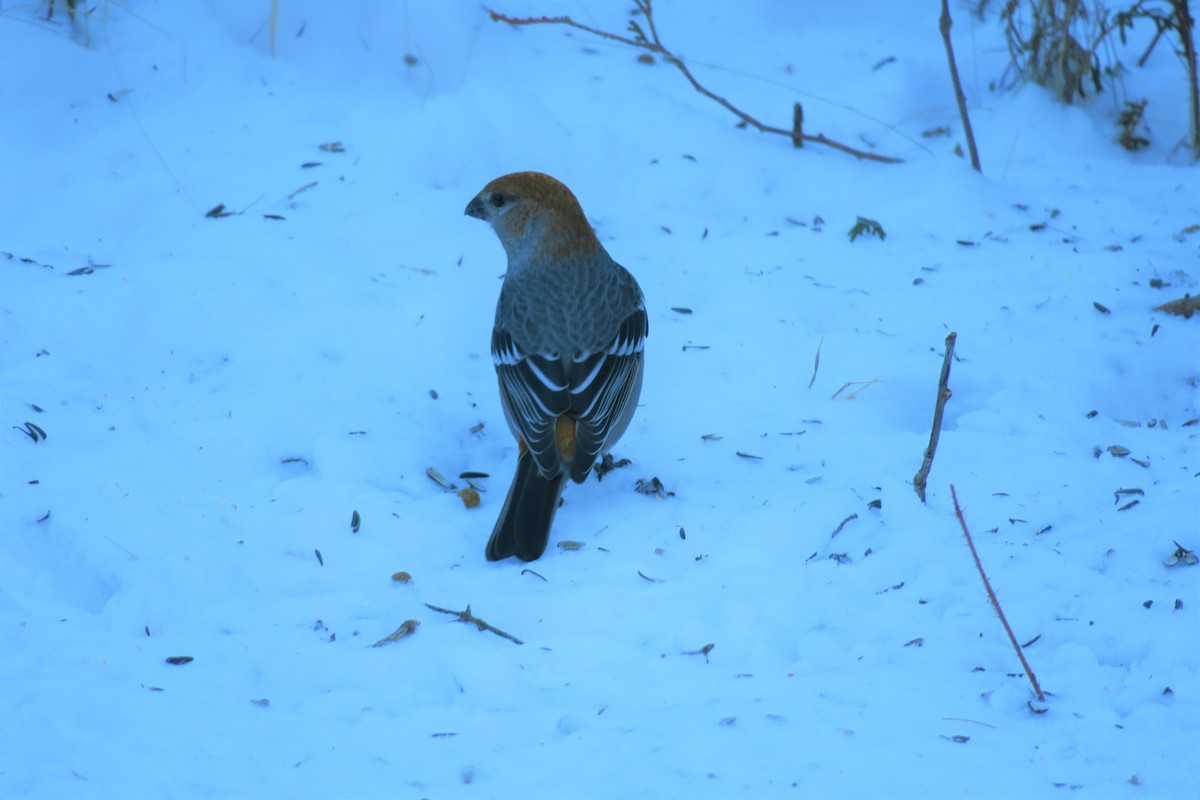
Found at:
<point>1186,25</point>
<point>467,616</point>
<point>939,409</point>
<point>653,44</point>
<point>992,596</point>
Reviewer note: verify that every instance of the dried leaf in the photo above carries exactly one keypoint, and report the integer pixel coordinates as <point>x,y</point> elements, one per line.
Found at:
<point>1181,557</point>
<point>1184,307</point>
<point>32,431</point>
<point>867,226</point>
<point>407,628</point>
<point>652,487</point>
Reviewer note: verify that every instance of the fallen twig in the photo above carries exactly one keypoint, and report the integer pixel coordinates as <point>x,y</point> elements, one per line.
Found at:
<point>939,408</point>
<point>944,25</point>
<point>653,44</point>
<point>992,596</point>
<point>1185,24</point>
<point>467,616</point>
<point>860,384</point>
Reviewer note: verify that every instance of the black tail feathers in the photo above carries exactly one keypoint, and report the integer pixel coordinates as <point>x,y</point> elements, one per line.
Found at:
<point>524,524</point>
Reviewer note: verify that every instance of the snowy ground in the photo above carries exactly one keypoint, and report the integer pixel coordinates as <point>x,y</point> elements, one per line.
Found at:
<point>221,395</point>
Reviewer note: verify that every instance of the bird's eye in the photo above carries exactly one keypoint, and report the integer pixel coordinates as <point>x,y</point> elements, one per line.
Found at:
<point>498,200</point>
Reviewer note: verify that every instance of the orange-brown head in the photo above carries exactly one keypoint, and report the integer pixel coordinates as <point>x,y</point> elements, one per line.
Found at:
<point>537,219</point>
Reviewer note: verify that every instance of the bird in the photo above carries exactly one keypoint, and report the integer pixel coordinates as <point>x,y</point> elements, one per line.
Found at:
<point>568,344</point>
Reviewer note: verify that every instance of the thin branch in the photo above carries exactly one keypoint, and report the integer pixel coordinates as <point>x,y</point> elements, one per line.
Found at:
<point>467,616</point>
<point>944,24</point>
<point>1185,25</point>
<point>992,596</point>
<point>654,45</point>
<point>1072,81</point>
<point>939,408</point>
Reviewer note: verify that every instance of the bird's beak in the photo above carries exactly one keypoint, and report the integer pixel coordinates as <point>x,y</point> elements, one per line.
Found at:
<point>476,209</point>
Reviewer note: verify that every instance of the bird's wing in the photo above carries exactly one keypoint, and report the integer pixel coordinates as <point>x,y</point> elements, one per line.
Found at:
<point>603,384</point>
<point>535,391</point>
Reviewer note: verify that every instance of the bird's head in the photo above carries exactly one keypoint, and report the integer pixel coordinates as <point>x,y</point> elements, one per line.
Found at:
<point>536,218</point>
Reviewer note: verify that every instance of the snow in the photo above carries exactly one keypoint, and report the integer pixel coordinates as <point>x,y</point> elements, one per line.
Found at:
<point>220,395</point>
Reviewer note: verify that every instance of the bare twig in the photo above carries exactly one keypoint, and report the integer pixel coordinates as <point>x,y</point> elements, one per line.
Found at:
<point>992,596</point>
<point>939,408</point>
<point>1185,24</point>
<point>467,616</point>
<point>653,44</point>
<point>944,25</point>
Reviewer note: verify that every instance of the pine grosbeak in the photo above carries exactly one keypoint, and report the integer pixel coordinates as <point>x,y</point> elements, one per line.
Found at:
<point>568,348</point>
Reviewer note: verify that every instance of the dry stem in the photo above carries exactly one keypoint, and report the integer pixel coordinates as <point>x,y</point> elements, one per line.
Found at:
<point>1185,24</point>
<point>944,25</point>
<point>992,596</point>
<point>939,408</point>
<point>653,44</point>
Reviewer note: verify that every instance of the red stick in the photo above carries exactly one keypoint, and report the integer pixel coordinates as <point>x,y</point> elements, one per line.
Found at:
<point>992,596</point>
